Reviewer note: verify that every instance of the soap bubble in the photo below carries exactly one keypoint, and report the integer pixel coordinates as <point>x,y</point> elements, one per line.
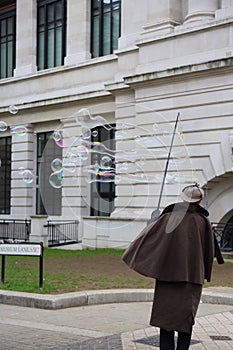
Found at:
<point>86,132</point>
<point>3,126</point>
<point>13,109</point>
<point>94,133</point>
<point>62,138</point>
<point>131,160</point>
<point>56,164</point>
<point>27,176</point>
<point>19,130</point>
<point>69,162</point>
<point>55,179</point>
<point>21,170</point>
<point>85,119</point>
<point>106,162</point>
<point>82,152</point>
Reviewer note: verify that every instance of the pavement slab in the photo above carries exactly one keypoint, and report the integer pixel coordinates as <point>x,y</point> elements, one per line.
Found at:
<point>108,322</point>
<point>116,326</point>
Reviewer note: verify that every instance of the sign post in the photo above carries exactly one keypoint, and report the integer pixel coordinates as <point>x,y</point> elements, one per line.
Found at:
<point>22,249</point>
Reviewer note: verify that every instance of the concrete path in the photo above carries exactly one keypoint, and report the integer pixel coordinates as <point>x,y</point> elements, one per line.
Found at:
<point>110,326</point>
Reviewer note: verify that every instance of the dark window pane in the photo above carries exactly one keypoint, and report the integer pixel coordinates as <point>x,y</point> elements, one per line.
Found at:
<point>5,175</point>
<point>7,42</point>
<point>48,199</point>
<point>107,34</point>
<point>103,190</point>
<point>51,33</point>
<point>105,26</point>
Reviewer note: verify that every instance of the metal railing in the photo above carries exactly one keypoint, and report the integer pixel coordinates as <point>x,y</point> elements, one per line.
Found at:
<point>15,230</point>
<point>62,232</point>
<point>224,235</point>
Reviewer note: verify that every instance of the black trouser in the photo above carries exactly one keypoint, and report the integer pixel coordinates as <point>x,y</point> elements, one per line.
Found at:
<point>167,340</point>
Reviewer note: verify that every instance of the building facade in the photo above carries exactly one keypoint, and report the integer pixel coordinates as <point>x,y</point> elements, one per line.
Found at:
<point>90,91</point>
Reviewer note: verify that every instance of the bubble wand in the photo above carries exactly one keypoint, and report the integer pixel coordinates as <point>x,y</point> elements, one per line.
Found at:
<point>156,212</point>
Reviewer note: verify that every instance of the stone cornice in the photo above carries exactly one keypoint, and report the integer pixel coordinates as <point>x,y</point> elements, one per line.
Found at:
<point>197,69</point>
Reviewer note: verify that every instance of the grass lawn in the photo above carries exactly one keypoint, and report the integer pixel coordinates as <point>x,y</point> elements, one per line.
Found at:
<point>69,271</point>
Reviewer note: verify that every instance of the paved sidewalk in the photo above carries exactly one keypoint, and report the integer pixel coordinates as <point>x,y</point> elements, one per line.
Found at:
<point>111,326</point>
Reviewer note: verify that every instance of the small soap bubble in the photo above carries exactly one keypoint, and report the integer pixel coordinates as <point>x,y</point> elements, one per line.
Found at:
<point>13,109</point>
<point>94,133</point>
<point>21,170</point>
<point>106,162</point>
<point>82,152</point>
<point>86,132</point>
<point>55,179</point>
<point>19,130</point>
<point>56,164</point>
<point>61,137</point>
<point>27,176</point>
<point>58,137</point>
<point>3,126</point>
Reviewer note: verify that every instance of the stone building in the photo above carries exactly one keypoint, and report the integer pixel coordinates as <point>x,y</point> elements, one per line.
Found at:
<point>90,91</point>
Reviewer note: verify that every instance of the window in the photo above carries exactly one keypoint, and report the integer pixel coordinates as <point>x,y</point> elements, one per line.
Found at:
<point>51,33</point>
<point>105,26</point>
<point>7,38</point>
<point>48,198</point>
<point>102,191</point>
<point>5,174</point>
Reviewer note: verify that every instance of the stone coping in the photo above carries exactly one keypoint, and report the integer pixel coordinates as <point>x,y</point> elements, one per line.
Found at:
<point>212,295</point>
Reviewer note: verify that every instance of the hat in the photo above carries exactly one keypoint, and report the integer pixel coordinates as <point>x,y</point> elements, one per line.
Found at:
<point>192,193</point>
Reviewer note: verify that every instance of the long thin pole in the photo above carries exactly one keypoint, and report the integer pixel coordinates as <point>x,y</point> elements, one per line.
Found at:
<point>167,162</point>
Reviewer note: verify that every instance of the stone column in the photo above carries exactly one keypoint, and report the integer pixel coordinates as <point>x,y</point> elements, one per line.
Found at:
<point>226,10</point>
<point>163,16</point>
<point>130,30</point>
<point>26,33</point>
<point>201,10</point>
<point>74,187</point>
<point>78,31</point>
<point>23,180</point>
<point>39,231</point>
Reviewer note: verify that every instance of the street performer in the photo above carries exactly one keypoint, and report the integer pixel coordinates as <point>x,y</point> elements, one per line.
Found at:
<point>178,251</point>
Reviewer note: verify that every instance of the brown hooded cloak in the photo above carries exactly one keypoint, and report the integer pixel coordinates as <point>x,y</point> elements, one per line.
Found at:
<point>177,250</point>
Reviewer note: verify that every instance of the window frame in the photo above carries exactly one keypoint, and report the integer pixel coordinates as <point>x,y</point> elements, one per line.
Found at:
<point>98,194</point>
<point>100,14</point>
<point>45,29</point>
<point>5,207</point>
<point>56,192</point>
<point>7,12</point>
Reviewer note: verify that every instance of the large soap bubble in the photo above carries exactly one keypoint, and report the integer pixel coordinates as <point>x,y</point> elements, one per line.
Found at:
<point>135,163</point>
